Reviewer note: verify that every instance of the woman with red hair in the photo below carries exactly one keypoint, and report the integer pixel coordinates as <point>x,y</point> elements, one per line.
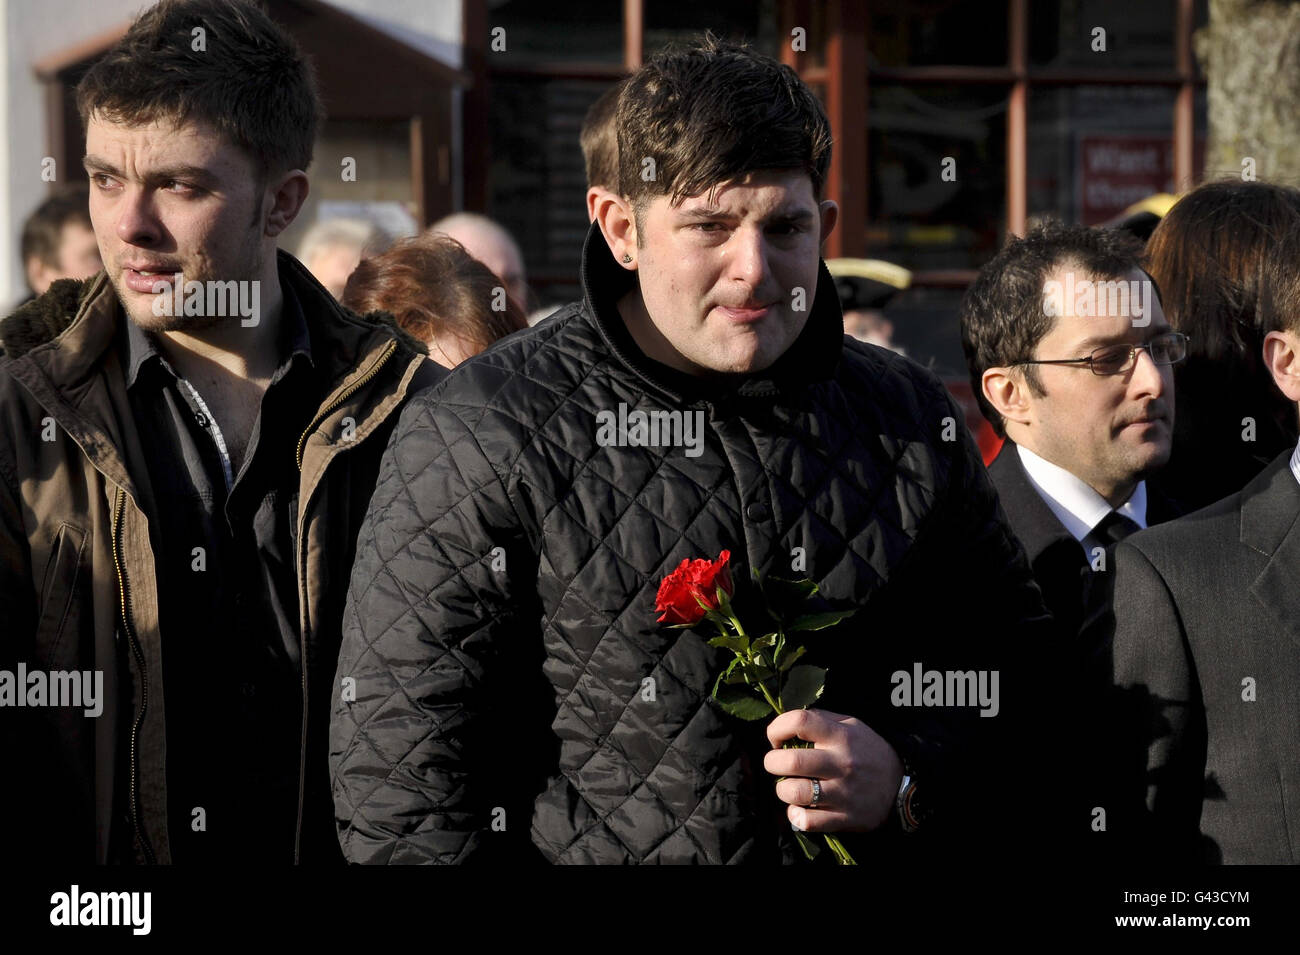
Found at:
<point>439,294</point>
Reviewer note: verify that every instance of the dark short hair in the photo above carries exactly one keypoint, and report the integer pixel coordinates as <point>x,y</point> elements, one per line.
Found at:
<point>43,230</point>
<point>710,114</point>
<point>251,82</point>
<point>1279,289</point>
<point>1213,254</point>
<point>1002,313</point>
<point>599,139</point>
<point>433,287</point>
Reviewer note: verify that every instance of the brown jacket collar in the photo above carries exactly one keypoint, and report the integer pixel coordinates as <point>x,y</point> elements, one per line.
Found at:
<point>58,344</point>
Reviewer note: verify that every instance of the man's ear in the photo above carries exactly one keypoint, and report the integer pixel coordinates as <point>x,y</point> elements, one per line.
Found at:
<point>593,199</point>
<point>1282,356</point>
<point>287,197</point>
<point>830,215</point>
<point>1008,393</point>
<point>618,226</point>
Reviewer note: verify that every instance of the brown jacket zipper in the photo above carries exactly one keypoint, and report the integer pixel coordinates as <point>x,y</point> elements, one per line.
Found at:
<point>347,393</point>
<point>119,504</point>
<point>302,581</point>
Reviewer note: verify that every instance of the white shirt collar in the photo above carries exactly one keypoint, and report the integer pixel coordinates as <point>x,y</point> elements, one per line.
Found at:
<point>1295,462</point>
<point>1075,504</point>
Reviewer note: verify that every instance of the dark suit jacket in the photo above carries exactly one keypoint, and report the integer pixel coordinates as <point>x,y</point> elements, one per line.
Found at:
<point>1061,567</point>
<point>1206,661</point>
<point>1071,761</point>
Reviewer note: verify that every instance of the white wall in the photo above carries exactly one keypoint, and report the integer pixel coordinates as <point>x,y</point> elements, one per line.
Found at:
<point>430,26</point>
<point>34,29</point>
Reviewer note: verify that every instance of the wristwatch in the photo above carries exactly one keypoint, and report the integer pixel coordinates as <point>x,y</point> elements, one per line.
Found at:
<point>911,811</point>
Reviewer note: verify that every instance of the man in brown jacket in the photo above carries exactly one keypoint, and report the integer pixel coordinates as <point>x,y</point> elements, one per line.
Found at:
<point>188,443</point>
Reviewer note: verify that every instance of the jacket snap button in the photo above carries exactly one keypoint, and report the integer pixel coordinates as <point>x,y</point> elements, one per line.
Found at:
<point>757,512</point>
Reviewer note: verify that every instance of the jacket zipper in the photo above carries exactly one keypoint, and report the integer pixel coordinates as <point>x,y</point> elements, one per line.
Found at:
<point>302,583</point>
<point>119,504</point>
<point>347,393</point>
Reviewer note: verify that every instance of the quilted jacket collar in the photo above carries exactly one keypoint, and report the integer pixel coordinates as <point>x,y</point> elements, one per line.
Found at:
<point>813,357</point>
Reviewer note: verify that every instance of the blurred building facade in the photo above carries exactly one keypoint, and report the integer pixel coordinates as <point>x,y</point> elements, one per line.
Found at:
<point>389,72</point>
<point>955,121</point>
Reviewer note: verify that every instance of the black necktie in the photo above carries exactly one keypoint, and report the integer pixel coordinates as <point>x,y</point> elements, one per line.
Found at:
<point>1114,528</point>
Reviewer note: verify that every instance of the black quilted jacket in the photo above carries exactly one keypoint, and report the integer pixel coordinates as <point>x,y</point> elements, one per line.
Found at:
<point>500,625</point>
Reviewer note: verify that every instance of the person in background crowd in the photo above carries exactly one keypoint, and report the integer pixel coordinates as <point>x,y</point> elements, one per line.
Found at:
<point>1209,256</point>
<point>181,486</point>
<point>1083,390</point>
<point>439,293</point>
<point>865,287</point>
<point>1204,740</point>
<point>58,241</point>
<point>492,245</point>
<point>1140,219</point>
<point>331,249</point>
<point>501,618</point>
<point>1082,386</point>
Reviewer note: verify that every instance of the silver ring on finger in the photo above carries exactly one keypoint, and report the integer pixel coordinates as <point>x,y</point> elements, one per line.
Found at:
<point>817,793</point>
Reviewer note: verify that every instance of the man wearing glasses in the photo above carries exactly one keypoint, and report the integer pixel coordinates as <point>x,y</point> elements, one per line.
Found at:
<point>1071,360</point>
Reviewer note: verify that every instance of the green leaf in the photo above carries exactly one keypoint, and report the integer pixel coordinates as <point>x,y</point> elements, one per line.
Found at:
<point>791,657</point>
<point>810,847</point>
<point>728,675</point>
<point>820,621</point>
<point>803,686</point>
<point>737,644</point>
<point>741,702</point>
<point>788,592</point>
<point>721,622</point>
<point>766,640</point>
<point>757,674</point>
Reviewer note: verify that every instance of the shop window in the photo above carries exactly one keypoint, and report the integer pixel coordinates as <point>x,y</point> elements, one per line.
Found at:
<point>937,174</point>
<point>585,31</point>
<point>937,33</point>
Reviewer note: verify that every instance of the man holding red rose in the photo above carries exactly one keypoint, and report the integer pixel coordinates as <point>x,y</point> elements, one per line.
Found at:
<point>506,691</point>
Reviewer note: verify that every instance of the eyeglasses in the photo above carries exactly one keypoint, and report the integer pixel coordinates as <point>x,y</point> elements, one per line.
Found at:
<point>1167,349</point>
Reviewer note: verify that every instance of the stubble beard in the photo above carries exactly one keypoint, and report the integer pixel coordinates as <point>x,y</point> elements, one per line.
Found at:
<point>140,309</point>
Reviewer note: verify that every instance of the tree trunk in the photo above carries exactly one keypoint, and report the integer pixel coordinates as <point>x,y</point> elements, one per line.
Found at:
<point>1250,55</point>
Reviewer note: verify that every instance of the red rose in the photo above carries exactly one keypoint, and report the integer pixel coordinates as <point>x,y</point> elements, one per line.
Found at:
<point>676,601</point>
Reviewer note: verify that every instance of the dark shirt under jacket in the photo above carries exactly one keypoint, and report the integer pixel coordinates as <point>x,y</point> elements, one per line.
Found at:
<point>229,617</point>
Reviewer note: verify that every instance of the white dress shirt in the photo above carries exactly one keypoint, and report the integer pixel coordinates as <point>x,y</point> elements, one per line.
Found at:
<point>1076,504</point>
<point>1295,462</point>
